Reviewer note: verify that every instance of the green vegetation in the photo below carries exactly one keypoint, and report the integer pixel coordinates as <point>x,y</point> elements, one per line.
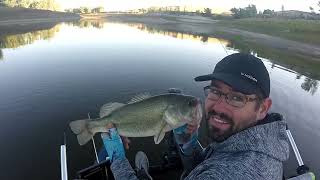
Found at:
<point>268,12</point>
<point>33,4</point>
<point>172,10</point>
<point>250,11</point>
<point>298,30</point>
<point>207,12</point>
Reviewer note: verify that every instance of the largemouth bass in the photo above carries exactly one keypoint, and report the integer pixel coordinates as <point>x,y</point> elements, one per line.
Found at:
<point>143,116</point>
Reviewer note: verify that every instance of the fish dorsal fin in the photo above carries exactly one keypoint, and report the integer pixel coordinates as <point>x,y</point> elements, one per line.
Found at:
<point>139,97</point>
<point>175,91</point>
<point>109,108</point>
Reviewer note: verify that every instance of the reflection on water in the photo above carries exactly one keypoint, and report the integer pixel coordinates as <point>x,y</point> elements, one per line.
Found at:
<point>290,61</point>
<point>310,85</point>
<point>15,41</point>
<point>305,65</point>
<point>284,61</point>
<point>18,40</point>
<point>1,54</point>
<point>88,23</point>
<point>298,76</point>
<point>180,35</point>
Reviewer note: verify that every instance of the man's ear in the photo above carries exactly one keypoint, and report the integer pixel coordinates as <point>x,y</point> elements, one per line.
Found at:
<point>264,108</point>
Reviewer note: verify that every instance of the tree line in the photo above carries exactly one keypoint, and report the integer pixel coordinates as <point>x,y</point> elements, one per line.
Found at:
<point>174,10</point>
<point>33,4</point>
<point>251,11</point>
<point>85,10</point>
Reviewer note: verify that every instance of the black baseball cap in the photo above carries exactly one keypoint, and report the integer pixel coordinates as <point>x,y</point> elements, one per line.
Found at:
<point>243,72</point>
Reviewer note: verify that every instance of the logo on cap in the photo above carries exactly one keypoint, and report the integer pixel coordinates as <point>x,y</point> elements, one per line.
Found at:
<point>249,77</point>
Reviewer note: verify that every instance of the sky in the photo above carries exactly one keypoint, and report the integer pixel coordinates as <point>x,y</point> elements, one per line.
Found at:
<point>218,6</point>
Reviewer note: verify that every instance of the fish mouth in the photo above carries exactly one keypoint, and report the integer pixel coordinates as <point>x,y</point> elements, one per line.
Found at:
<point>197,112</point>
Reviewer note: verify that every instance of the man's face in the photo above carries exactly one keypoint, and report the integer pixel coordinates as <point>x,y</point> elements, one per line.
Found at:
<point>224,119</point>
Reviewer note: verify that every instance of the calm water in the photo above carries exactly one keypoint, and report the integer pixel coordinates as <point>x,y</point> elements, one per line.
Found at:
<point>51,77</point>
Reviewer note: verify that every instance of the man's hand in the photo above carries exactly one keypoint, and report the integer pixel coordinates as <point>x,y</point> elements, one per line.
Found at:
<point>186,136</point>
<point>113,143</point>
<point>192,128</point>
<point>126,141</point>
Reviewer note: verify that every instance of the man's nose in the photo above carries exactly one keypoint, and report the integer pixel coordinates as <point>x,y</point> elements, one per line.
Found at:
<point>221,104</point>
<point>222,99</point>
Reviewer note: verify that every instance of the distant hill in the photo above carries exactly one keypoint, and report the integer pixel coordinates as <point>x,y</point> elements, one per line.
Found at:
<point>25,13</point>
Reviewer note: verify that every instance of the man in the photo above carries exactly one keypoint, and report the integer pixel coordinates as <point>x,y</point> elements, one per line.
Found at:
<point>247,142</point>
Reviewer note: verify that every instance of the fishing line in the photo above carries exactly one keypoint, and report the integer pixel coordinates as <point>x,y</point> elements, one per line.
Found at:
<point>223,46</point>
<point>94,144</point>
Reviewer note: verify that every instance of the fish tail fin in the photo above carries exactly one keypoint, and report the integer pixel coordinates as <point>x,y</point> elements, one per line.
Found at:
<point>80,127</point>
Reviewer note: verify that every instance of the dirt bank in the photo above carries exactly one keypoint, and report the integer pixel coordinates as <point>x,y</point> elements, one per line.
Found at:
<point>21,20</point>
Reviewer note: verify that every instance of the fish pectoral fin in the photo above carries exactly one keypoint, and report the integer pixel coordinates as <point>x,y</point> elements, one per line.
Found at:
<point>108,108</point>
<point>170,116</point>
<point>158,137</point>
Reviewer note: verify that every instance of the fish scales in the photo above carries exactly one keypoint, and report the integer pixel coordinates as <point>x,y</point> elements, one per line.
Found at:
<point>149,116</point>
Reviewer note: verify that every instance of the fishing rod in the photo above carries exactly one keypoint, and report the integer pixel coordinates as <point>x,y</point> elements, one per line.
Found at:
<point>302,168</point>
<point>63,159</point>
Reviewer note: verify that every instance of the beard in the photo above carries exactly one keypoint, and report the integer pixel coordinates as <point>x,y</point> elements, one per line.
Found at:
<point>219,135</point>
<point>216,134</point>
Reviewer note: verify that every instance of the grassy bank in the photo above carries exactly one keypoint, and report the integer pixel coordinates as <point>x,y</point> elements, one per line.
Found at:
<point>306,31</point>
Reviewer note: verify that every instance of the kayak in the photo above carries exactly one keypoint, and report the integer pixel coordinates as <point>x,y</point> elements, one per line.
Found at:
<point>170,166</point>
